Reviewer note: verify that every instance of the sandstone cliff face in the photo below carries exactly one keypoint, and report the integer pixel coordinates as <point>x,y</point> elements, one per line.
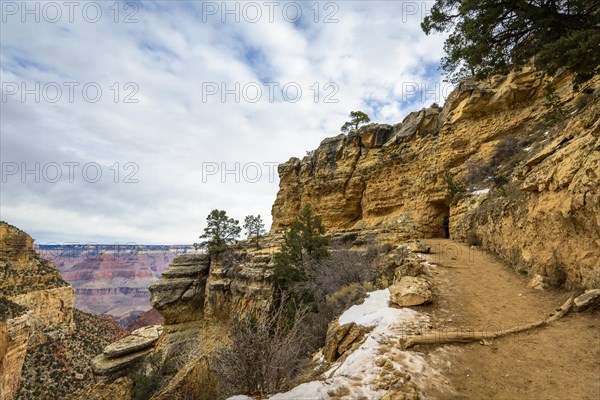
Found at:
<point>543,217</point>
<point>30,283</point>
<point>14,334</point>
<point>197,298</point>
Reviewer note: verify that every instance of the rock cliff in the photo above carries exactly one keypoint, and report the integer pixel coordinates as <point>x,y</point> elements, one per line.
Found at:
<point>38,304</point>
<point>490,167</point>
<point>197,298</point>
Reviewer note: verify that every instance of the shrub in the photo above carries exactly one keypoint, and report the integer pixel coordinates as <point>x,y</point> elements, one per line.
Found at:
<point>477,172</point>
<point>555,112</point>
<point>472,238</point>
<point>264,353</point>
<point>151,374</point>
<point>583,100</point>
<point>9,309</point>
<point>303,240</point>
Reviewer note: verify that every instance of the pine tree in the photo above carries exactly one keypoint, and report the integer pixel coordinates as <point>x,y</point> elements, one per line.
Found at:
<point>493,37</point>
<point>305,235</point>
<point>255,228</point>
<point>220,232</point>
<point>356,118</point>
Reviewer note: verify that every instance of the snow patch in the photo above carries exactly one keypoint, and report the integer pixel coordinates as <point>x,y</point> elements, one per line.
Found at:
<point>375,311</point>
<point>360,373</point>
<point>528,149</point>
<point>309,390</point>
<point>480,192</point>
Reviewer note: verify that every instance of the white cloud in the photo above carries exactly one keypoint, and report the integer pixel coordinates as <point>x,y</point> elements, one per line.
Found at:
<point>170,55</point>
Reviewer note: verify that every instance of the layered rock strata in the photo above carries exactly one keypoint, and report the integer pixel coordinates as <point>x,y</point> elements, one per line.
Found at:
<point>491,167</point>
<point>37,305</point>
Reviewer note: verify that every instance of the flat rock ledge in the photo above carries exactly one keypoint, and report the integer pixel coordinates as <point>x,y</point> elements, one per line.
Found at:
<point>119,356</point>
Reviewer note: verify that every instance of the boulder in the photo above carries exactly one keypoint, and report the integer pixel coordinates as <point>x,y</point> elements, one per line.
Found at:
<point>411,291</point>
<point>341,339</point>
<point>537,282</point>
<point>139,339</point>
<point>589,299</point>
<point>409,267</point>
<point>419,247</point>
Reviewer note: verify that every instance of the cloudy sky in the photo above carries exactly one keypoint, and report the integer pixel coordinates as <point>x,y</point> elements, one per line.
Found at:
<point>129,122</point>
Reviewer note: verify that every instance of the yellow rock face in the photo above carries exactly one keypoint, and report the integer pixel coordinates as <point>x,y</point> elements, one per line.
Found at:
<point>545,218</point>
<point>34,283</point>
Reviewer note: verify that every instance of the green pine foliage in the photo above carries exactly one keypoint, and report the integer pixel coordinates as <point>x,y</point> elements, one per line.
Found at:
<point>255,229</point>
<point>356,118</point>
<point>220,232</point>
<point>304,237</point>
<point>492,37</point>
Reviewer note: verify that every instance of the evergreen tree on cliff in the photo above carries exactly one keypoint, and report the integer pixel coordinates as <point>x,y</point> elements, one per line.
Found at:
<point>356,118</point>
<point>220,232</point>
<point>494,36</point>
<point>304,236</point>
<point>255,228</point>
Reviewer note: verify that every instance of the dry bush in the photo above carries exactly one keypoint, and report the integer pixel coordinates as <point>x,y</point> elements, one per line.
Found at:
<point>335,284</point>
<point>477,172</point>
<point>331,307</point>
<point>472,238</point>
<point>340,269</point>
<point>200,384</point>
<point>264,353</point>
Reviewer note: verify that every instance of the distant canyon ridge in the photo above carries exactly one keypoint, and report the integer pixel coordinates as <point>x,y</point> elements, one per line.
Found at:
<point>113,279</point>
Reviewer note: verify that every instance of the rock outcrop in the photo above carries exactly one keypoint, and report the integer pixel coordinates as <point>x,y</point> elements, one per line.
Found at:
<point>119,356</point>
<point>38,304</point>
<point>179,295</point>
<point>342,340</point>
<point>197,298</point>
<point>14,335</point>
<point>488,167</point>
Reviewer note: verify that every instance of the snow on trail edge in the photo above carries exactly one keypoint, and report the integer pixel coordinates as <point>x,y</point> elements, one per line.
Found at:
<point>379,357</point>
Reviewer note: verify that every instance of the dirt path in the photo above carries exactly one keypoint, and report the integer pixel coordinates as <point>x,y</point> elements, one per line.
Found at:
<point>559,362</point>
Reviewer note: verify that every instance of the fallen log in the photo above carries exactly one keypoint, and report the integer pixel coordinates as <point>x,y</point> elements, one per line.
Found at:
<point>440,337</point>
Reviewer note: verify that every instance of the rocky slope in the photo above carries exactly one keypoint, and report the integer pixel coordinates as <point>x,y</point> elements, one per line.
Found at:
<point>61,369</point>
<point>488,168</point>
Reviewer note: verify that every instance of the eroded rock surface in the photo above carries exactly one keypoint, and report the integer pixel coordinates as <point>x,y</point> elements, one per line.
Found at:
<point>42,299</point>
<point>411,291</point>
<point>395,178</point>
